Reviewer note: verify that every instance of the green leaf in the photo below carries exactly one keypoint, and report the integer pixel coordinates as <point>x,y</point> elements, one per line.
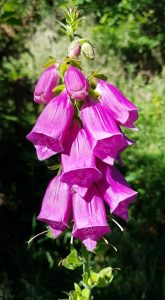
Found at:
<point>95,95</point>
<point>10,6</point>
<point>76,287</point>
<point>62,30</point>
<point>86,294</point>
<point>72,261</point>
<point>58,89</point>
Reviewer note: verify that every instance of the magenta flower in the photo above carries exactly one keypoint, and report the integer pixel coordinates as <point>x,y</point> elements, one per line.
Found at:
<point>56,206</point>
<point>78,161</point>
<point>115,190</point>
<point>90,222</point>
<point>122,110</point>
<point>81,191</point>
<point>51,127</point>
<point>48,80</point>
<point>76,83</point>
<point>105,137</point>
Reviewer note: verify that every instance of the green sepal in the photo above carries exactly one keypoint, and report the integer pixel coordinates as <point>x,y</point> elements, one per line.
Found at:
<point>72,261</point>
<point>63,68</point>
<point>82,41</point>
<point>50,62</point>
<point>100,76</point>
<point>76,63</point>
<point>49,234</point>
<point>105,277</point>
<point>101,279</point>
<point>95,95</point>
<point>58,89</point>
<point>54,167</point>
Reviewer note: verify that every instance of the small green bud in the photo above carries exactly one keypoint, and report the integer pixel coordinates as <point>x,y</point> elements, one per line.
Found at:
<point>88,50</point>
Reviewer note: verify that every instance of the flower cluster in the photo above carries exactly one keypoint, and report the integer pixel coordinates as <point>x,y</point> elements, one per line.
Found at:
<point>86,131</point>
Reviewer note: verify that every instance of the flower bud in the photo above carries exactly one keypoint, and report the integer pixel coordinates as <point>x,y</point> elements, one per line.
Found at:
<point>48,80</point>
<point>76,83</point>
<point>74,49</point>
<point>88,50</point>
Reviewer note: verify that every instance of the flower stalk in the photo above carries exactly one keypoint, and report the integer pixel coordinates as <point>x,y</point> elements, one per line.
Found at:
<point>81,123</point>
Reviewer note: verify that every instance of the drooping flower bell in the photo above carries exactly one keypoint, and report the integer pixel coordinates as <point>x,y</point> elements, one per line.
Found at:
<point>105,137</point>
<point>90,222</point>
<point>122,110</point>
<point>56,206</point>
<point>51,127</point>
<point>78,161</point>
<point>115,190</point>
<point>76,83</point>
<point>48,80</point>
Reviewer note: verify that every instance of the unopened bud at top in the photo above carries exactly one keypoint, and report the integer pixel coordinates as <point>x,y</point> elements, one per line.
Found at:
<point>74,49</point>
<point>88,50</point>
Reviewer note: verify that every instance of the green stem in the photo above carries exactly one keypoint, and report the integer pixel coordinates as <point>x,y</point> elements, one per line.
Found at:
<point>86,267</point>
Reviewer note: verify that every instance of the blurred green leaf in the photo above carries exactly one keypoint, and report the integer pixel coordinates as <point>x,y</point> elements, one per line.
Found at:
<point>10,6</point>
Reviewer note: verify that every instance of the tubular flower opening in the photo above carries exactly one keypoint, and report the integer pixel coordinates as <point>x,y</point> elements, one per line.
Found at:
<point>56,206</point>
<point>105,137</point>
<point>90,222</point>
<point>115,190</point>
<point>122,110</point>
<point>78,161</point>
<point>51,127</point>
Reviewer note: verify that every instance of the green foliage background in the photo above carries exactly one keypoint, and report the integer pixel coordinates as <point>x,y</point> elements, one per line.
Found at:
<point>129,39</point>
